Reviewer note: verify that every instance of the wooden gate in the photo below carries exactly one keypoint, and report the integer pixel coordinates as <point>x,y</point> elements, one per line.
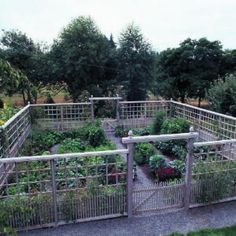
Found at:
<point>158,197</point>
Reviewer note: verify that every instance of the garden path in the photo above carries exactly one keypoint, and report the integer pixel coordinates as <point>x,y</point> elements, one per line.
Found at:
<point>214,216</point>
<point>142,180</point>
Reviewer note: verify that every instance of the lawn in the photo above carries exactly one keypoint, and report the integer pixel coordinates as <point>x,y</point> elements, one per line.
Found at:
<point>227,231</point>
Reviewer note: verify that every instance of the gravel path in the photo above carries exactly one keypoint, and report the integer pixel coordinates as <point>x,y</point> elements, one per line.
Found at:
<point>214,216</point>
<point>142,180</point>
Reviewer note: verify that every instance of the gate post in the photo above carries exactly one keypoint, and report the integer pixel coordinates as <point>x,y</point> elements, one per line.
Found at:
<point>130,155</point>
<point>188,176</point>
<point>54,189</point>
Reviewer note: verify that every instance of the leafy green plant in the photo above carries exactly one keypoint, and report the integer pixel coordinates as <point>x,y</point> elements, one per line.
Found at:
<point>71,145</point>
<point>158,122</point>
<point>177,149</point>
<point>179,165</point>
<point>142,131</point>
<point>157,161</point>
<point>174,126</point>
<point>120,131</point>
<point>142,153</point>
<point>14,208</point>
<point>221,95</point>
<point>6,113</point>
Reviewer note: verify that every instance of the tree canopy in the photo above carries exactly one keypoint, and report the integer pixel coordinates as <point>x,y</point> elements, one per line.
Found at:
<point>136,63</point>
<point>222,95</point>
<point>86,62</point>
<point>81,56</point>
<point>187,71</point>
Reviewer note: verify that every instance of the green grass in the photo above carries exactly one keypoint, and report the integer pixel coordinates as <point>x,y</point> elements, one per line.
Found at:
<point>227,231</point>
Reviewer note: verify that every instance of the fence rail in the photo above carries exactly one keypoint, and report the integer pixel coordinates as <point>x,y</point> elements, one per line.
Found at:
<point>52,189</point>
<point>210,125</point>
<point>14,132</point>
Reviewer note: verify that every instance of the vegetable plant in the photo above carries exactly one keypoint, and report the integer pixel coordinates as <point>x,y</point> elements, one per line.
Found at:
<point>142,153</point>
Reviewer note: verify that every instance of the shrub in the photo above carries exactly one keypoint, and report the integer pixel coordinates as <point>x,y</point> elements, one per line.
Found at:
<point>91,132</point>
<point>142,153</point>
<point>158,121</point>
<point>174,126</point>
<point>221,95</point>
<point>96,136</point>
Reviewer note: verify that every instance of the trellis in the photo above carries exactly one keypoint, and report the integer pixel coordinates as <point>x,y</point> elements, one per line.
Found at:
<point>218,132</point>
<point>138,114</point>
<point>61,116</point>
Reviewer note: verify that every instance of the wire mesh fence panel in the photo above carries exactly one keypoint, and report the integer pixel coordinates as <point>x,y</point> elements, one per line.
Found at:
<point>213,173</point>
<point>61,116</point>
<point>141,113</point>
<point>48,190</point>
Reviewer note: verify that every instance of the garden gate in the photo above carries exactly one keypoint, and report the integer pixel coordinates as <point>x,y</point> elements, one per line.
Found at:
<point>106,109</point>
<point>160,196</point>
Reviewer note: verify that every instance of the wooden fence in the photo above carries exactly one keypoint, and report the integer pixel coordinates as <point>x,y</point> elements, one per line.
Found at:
<point>61,116</point>
<point>158,197</point>
<point>14,132</point>
<point>137,114</point>
<point>51,190</point>
<point>53,185</point>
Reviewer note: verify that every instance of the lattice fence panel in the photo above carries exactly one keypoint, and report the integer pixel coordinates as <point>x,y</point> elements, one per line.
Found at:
<point>141,113</point>
<point>61,116</point>
<point>211,125</point>
<point>14,132</point>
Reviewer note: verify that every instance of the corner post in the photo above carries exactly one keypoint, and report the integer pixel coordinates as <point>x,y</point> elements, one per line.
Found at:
<point>130,155</point>
<point>188,176</point>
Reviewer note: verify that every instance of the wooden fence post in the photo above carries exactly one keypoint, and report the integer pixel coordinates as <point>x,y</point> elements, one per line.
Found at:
<point>54,190</point>
<point>130,147</point>
<point>62,119</point>
<point>188,176</point>
<point>117,109</point>
<point>92,108</point>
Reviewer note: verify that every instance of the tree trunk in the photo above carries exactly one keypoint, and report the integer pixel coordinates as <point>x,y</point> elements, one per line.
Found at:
<point>182,99</point>
<point>23,95</point>
<point>199,102</point>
